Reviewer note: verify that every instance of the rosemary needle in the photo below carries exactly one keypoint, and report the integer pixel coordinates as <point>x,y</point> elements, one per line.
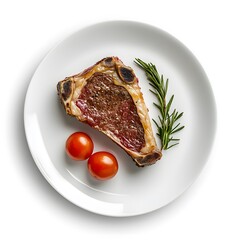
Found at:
<point>167,120</point>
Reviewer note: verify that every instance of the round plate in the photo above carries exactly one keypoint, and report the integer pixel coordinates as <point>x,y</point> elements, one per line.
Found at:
<point>133,190</point>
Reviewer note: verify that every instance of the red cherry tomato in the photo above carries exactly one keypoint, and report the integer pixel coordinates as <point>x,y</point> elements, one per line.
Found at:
<point>102,165</point>
<point>79,146</point>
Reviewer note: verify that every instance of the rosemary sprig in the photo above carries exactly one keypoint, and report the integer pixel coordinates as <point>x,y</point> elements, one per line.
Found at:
<point>166,124</point>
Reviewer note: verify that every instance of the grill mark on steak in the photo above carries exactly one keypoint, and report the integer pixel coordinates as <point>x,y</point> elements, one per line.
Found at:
<point>110,108</point>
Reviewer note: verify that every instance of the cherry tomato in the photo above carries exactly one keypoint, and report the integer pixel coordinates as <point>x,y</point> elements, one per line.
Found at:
<point>102,165</point>
<point>79,146</point>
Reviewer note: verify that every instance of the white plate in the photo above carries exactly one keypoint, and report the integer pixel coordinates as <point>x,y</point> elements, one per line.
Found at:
<point>133,190</point>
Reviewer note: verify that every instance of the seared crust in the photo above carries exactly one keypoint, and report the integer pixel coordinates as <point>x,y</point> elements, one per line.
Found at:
<point>70,88</point>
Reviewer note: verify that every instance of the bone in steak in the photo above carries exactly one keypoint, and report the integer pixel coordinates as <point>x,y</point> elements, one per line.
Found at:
<point>107,97</point>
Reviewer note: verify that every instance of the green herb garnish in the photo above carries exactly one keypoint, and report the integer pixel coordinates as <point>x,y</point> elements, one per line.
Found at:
<point>166,124</point>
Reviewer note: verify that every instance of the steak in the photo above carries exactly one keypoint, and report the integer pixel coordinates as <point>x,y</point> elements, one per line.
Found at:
<point>107,97</point>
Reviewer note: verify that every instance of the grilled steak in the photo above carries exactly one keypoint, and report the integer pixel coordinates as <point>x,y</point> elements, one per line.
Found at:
<point>108,98</point>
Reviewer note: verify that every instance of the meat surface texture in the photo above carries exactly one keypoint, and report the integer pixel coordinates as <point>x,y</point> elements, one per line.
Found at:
<point>107,97</point>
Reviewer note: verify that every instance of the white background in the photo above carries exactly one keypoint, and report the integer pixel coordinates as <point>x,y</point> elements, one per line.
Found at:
<point>31,209</point>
